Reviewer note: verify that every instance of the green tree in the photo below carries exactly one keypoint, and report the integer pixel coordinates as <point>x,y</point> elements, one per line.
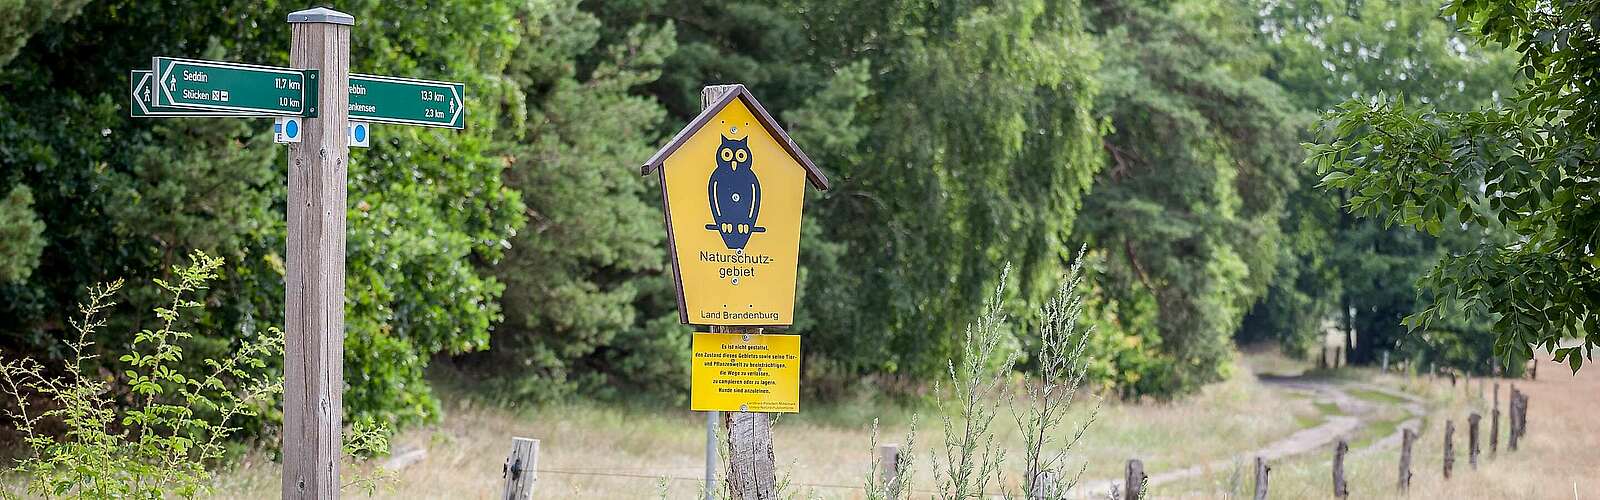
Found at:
<point>26,17</point>
<point>126,197</point>
<point>20,236</point>
<point>1360,273</point>
<point>588,304</point>
<point>959,135</point>
<point>1201,161</point>
<point>1524,166</point>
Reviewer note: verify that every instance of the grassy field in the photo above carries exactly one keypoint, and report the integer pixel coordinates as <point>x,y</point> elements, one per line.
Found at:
<point>595,451</point>
<point>608,452</point>
<point>1558,458</point>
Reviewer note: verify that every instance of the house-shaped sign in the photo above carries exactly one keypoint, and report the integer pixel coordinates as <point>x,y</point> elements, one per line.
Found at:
<point>733,185</point>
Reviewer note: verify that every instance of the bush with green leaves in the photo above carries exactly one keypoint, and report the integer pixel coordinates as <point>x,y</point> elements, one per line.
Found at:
<point>155,436</point>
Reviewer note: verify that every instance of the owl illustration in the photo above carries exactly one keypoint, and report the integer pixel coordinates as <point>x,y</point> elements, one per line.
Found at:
<point>734,193</point>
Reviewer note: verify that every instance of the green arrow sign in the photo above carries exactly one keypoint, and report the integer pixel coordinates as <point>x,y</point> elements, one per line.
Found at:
<point>223,86</point>
<point>385,99</point>
<point>142,101</point>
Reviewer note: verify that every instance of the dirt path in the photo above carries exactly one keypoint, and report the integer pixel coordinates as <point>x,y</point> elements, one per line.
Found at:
<point>1357,413</point>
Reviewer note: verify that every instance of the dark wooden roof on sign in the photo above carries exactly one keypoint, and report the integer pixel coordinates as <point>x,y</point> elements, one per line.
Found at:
<point>813,173</point>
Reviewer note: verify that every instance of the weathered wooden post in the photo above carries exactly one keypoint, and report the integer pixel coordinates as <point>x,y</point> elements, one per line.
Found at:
<point>1133,480</point>
<point>521,469</point>
<point>1385,361</point>
<point>1449,447</point>
<point>312,103</point>
<point>1261,478</point>
<point>1407,436</point>
<point>1340,490</point>
<point>1494,422</point>
<point>1511,419</point>
<point>313,382</point>
<point>1472,440</point>
<point>1045,486</point>
<point>889,469</point>
<point>1521,428</point>
<point>752,466</point>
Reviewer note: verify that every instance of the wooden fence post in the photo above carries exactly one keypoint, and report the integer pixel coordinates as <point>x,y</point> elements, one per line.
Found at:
<point>1261,478</point>
<point>521,469</point>
<point>1133,481</point>
<point>1472,440</point>
<point>1407,436</point>
<point>889,469</point>
<point>1045,487</point>
<point>1522,415</point>
<point>314,257</point>
<point>1511,419</point>
<point>1494,423</point>
<point>1449,447</point>
<point>1340,490</point>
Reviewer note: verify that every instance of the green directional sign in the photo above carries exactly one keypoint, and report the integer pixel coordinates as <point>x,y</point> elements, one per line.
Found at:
<point>385,99</point>
<point>142,104</point>
<point>224,86</point>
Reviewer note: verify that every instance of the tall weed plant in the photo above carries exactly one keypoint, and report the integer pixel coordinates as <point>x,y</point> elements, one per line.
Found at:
<point>970,461</point>
<point>154,434</point>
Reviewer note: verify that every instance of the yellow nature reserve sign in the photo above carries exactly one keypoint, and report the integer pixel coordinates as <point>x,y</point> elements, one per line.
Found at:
<point>761,374</point>
<point>734,187</point>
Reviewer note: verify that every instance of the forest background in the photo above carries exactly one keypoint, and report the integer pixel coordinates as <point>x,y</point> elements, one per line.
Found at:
<point>527,254</point>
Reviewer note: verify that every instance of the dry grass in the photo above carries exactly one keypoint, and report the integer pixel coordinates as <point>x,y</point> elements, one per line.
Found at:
<point>663,451</point>
<point>825,453</point>
<point>1558,458</point>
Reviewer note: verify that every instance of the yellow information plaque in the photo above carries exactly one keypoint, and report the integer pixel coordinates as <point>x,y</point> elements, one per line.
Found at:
<point>730,373</point>
<point>734,186</point>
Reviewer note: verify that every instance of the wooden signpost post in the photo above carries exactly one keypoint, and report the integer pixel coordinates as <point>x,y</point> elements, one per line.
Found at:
<point>313,101</point>
<point>733,185</point>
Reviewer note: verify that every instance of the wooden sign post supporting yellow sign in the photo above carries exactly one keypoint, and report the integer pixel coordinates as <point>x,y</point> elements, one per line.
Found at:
<point>733,185</point>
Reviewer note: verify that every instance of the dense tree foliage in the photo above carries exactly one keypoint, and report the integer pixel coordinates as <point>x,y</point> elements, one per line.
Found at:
<point>588,301</point>
<point>959,135</point>
<point>126,198</point>
<point>21,236</point>
<point>1360,274</point>
<point>1525,166</point>
<point>1202,156</point>
<point>26,17</point>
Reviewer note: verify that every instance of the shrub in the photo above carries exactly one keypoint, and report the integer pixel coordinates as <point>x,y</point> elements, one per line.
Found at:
<point>153,434</point>
<point>175,424</point>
